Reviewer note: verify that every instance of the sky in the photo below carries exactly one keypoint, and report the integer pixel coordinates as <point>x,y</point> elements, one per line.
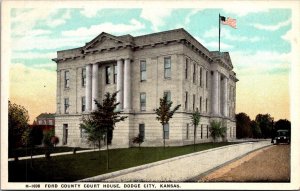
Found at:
<point>260,48</point>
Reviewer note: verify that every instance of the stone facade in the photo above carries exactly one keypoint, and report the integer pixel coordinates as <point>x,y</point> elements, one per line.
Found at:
<point>143,69</point>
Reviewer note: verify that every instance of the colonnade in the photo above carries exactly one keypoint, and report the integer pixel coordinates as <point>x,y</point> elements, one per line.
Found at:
<point>123,85</point>
<point>219,94</point>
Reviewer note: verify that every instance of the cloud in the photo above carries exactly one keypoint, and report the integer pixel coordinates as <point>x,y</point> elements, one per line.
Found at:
<point>26,19</point>
<point>244,9</point>
<point>35,89</point>
<point>94,30</point>
<point>32,55</point>
<point>90,12</point>
<point>272,27</point>
<point>187,19</point>
<point>225,33</point>
<point>288,36</point>
<point>262,62</point>
<point>156,16</point>
<point>213,45</point>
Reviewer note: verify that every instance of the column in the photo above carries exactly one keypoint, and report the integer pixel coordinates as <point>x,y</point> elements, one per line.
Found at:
<point>127,85</point>
<point>215,93</point>
<point>94,86</point>
<point>225,96</point>
<point>88,88</point>
<point>120,83</point>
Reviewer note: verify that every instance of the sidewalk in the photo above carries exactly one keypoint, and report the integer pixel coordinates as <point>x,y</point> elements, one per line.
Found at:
<point>182,168</point>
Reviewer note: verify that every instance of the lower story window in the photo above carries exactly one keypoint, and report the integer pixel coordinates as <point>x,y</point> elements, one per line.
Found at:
<point>142,130</point>
<point>65,134</point>
<point>166,131</point>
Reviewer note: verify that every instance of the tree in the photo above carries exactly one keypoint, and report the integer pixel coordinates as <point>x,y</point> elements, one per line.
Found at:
<point>54,140</point>
<point>195,121</point>
<point>256,132</point>
<point>94,133</point>
<point>17,123</point>
<point>217,130</point>
<point>164,113</point>
<point>138,140</point>
<point>265,122</point>
<point>28,140</point>
<point>243,127</point>
<point>103,119</point>
<point>282,124</point>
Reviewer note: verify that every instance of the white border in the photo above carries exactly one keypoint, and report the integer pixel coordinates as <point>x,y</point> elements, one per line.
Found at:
<point>294,76</point>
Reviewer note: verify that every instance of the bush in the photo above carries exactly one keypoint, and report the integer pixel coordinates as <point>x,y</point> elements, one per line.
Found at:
<point>216,130</point>
<point>54,140</point>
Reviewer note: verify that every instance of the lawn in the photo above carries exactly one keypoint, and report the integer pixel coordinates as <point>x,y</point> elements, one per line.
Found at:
<point>21,152</point>
<point>73,167</point>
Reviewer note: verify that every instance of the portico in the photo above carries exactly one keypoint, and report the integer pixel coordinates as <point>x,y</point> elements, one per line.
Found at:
<point>123,85</point>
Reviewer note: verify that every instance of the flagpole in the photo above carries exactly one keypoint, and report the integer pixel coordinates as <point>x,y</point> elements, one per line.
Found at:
<point>219,32</point>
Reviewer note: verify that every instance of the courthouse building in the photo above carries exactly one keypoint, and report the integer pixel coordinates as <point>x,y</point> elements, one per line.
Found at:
<point>143,69</point>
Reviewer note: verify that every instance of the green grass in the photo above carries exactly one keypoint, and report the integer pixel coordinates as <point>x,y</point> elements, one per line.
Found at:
<point>21,152</point>
<point>68,168</point>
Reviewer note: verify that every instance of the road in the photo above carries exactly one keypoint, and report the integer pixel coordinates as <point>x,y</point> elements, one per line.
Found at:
<point>270,164</point>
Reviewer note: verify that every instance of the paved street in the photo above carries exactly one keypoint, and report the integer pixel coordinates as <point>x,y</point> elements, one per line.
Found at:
<point>265,165</point>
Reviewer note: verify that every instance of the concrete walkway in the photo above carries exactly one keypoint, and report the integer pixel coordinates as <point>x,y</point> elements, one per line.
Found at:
<point>182,168</point>
<point>52,154</point>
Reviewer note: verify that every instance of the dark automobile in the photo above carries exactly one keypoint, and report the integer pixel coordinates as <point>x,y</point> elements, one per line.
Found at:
<point>282,136</point>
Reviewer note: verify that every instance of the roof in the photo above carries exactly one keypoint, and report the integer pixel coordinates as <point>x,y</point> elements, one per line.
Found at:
<point>46,115</point>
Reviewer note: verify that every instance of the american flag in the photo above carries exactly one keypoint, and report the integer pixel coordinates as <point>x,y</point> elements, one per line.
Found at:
<point>228,21</point>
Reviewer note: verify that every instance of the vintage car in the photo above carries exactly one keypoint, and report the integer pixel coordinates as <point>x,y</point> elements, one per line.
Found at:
<point>282,136</point>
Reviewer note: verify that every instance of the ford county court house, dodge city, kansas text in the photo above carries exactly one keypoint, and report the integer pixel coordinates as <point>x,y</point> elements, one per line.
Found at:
<point>143,69</point>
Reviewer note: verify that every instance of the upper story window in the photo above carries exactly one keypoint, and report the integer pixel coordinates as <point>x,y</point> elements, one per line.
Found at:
<point>194,100</point>
<point>194,73</point>
<point>82,104</point>
<point>206,105</point>
<point>83,77</point>
<point>67,79</point>
<point>168,94</point>
<point>186,101</point>
<point>186,68</point>
<point>115,73</point>
<point>200,76</point>
<point>200,105</point>
<point>107,75</point>
<point>206,79</point>
<point>143,70</point>
<point>66,104</point>
<point>143,101</point>
<point>167,67</point>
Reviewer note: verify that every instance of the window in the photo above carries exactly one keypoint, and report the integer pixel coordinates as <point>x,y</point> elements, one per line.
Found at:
<point>200,105</point>
<point>65,134</point>
<point>143,70</point>
<point>66,101</point>
<point>187,131</point>
<point>186,67</point>
<point>206,79</point>
<point>186,101</point>
<point>83,77</point>
<point>142,130</point>
<point>168,94</point>
<point>207,129</point>
<point>194,96</point>
<point>166,131</point>
<point>67,79</point>
<point>143,101</point>
<point>50,122</point>
<point>82,104</point>
<point>115,73</point>
<point>167,66</point>
<point>201,131</point>
<point>200,76</point>
<point>194,73</point>
<point>107,75</point>
<point>206,105</point>
<point>40,122</point>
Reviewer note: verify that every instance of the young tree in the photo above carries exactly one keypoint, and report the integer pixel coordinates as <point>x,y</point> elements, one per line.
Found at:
<point>164,113</point>
<point>216,130</point>
<point>94,133</point>
<point>103,119</point>
<point>17,123</point>
<point>195,121</point>
<point>138,140</point>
